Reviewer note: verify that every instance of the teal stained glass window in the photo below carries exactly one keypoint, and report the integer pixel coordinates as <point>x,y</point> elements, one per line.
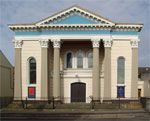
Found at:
<point>121,70</point>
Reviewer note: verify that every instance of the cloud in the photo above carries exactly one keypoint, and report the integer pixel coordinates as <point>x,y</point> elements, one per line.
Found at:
<point>30,11</point>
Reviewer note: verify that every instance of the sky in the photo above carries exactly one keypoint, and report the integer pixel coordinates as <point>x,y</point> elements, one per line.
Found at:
<point>30,11</point>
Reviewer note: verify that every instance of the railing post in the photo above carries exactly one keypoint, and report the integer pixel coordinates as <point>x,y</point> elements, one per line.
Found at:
<point>26,103</point>
<point>22,103</point>
<point>92,103</point>
<point>48,100</point>
<point>119,102</point>
<point>53,102</point>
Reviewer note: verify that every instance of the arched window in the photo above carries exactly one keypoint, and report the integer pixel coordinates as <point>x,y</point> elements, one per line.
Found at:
<point>69,60</point>
<point>90,60</point>
<point>79,60</point>
<point>32,71</point>
<point>121,70</point>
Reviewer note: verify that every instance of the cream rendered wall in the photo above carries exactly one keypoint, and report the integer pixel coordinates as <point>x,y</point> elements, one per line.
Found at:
<point>147,88</point>
<point>85,75</point>
<point>144,85</point>
<point>31,49</point>
<point>66,88</point>
<point>141,86</point>
<point>121,48</point>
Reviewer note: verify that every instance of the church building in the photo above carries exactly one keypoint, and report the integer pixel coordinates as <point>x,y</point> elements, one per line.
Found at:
<point>75,56</point>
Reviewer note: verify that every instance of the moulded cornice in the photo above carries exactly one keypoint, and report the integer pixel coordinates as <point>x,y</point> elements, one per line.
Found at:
<point>102,23</point>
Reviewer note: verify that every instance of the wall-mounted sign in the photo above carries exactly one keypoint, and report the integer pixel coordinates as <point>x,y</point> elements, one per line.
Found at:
<point>31,92</point>
<point>120,91</point>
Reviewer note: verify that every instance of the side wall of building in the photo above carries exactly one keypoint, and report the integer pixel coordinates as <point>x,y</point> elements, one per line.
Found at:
<point>6,81</point>
<point>121,48</point>
<point>31,49</point>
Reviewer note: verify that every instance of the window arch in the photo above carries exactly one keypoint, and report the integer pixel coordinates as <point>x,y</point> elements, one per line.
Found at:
<point>32,71</point>
<point>79,60</point>
<point>90,59</point>
<point>69,60</point>
<point>121,70</point>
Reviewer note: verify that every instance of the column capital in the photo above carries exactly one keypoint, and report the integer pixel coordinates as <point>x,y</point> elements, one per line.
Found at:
<point>44,43</point>
<point>17,43</point>
<point>107,42</point>
<point>134,43</point>
<point>95,42</point>
<point>56,42</point>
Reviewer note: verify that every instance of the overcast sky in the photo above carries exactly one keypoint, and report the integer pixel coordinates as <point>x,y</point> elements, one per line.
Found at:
<point>30,11</point>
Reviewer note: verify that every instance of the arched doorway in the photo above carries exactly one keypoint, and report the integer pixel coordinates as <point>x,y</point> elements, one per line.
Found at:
<point>78,92</point>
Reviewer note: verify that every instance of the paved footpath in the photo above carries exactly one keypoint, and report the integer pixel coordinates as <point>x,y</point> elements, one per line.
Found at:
<point>109,119</point>
<point>76,115</point>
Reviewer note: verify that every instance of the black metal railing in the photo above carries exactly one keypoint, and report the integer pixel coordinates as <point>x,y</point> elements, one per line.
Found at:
<point>82,103</point>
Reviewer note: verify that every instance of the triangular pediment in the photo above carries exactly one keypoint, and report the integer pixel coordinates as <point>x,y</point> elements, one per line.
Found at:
<point>76,19</point>
<point>75,15</point>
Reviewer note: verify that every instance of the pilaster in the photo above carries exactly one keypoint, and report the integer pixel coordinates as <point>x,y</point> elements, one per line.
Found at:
<point>134,71</point>
<point>18,72</point>
<point>44,68</point>
<point>96,80</point>
<point>107,69</point>
<point>56,68</point>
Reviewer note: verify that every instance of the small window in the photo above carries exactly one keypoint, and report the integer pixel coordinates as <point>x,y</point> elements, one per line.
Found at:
<point>90,60</point>
<point>121,71</point>
<point>69,60</point>
<point>32,71</point>
<point>80,60</point>
<point>139,76</point>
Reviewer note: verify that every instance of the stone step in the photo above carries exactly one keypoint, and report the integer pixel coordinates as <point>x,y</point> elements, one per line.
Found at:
<point>77,106</point>
<point>65,115</point>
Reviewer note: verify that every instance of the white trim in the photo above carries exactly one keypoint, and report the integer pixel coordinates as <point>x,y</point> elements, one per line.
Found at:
<point>77,37</point>
<point>124,72</point>
<point>79,13</point>
<point>17,43</point>
<point>44,43</point>
<point>87,53</point>
<point>95,42</point>
<point>81,76</point>
<point>107,42</point>
<point>56,42</point>
<point>65,59</point>
<point>83,59</point>
<point>28,80</point>
<point>134,43</point>
<point>69,90</point>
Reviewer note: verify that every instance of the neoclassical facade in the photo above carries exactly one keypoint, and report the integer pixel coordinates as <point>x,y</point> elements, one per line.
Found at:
<point>75,56</point>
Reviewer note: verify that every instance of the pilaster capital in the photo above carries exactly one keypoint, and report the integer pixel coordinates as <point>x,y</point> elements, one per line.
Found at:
<point>95,42</point>
<point>134,43</point>
<point>107,42</point>
<point>17,43</point>
<point>56,42</point>
<point>44,43</point>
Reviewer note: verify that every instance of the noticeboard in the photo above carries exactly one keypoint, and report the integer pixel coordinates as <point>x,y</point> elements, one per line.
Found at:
<point>120,91</point>
<point>31,92</point>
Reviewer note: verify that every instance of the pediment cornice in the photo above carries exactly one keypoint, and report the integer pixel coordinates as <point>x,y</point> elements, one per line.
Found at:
<point>75,10</point>
<point>50,23</point>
